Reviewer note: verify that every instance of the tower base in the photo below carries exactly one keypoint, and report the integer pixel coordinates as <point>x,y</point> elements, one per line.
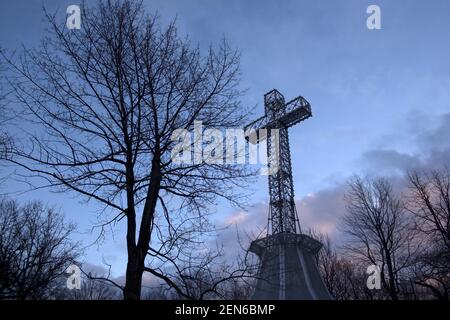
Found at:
<point>288,268</point>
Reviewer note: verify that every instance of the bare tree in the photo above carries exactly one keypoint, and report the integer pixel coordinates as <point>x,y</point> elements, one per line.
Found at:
<point>104,103</point>
<point>330,267</point>
<point>429,202</point>
<point>345,279</point>
<point>2,89</point>
<point>202,273</point>
<point>35,249</point>
<point>380,231</point>
<point>4,137</point>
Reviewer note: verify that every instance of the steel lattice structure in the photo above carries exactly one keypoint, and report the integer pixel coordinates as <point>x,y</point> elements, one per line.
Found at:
<point>281,115</point>
<point>288,259</point>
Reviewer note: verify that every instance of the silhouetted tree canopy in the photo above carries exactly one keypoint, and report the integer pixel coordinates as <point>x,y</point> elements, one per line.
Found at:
<point>103,103</point>
<point>35,249</point>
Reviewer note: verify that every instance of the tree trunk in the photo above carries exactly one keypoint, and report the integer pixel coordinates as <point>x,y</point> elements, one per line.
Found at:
<point>137,253</point>
<point>135,269</point>
<point>391,275</point>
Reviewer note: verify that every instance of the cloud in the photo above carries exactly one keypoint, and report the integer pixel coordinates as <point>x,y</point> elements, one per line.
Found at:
<point>388,161</point>
<point>432,148</point>
<point>322,210</point>
<point>237,218</point>
<point>238,229</point>
<point>95,269</point>
<point>439,135</point>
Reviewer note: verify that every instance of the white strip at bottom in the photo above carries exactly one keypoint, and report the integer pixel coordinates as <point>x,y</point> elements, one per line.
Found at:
<point>306,274</point>
<point>282,294</point>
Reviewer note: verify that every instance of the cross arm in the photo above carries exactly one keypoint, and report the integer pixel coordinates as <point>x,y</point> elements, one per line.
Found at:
<point>296,110</point>
<point>260,123</point>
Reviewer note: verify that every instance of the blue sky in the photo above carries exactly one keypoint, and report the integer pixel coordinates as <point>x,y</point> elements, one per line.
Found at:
<point>378,96</point>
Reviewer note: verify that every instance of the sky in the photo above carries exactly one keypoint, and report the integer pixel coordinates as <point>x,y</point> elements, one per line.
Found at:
<point>380,98</point>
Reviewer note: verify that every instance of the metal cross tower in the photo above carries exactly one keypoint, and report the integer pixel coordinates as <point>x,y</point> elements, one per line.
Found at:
<point>288,268</point>
<point>281,115</point>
